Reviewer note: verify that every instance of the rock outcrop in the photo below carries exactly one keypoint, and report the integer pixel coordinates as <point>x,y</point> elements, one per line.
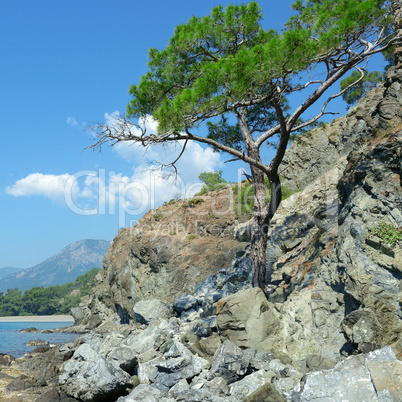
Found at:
<point>167,253</point>
<point>321,148</point>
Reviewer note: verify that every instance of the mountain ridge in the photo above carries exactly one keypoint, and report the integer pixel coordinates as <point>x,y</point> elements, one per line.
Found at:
<point>4,271</point>
<point>73,260</point>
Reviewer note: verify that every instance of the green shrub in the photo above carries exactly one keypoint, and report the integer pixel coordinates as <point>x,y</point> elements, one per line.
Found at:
<point>386,232</point>
<point>158,216</point>
<point>193,202</point>
<point>212,181</point>
<point>191,236</point>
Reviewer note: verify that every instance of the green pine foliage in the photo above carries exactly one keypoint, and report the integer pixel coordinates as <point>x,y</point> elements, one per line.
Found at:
<point>47,301</point>
<point>214,62</point>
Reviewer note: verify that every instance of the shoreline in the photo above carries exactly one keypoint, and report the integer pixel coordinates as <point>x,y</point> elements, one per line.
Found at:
<point>38,318</point>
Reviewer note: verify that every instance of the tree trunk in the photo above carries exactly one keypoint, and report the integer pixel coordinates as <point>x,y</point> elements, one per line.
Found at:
<point>263,214</point>
<point>259,235</point>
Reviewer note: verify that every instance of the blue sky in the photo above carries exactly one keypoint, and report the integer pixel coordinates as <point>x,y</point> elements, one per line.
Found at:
<point>66,64</point>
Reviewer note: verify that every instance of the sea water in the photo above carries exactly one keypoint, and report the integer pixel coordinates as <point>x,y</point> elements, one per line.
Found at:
<point>12,342</point>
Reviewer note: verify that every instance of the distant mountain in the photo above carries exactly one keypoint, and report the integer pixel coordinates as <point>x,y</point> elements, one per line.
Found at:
<point>9,270</point>
<point>74,260</point>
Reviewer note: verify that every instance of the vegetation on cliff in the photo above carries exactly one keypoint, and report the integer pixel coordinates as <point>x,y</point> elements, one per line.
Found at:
<point>47,301</point>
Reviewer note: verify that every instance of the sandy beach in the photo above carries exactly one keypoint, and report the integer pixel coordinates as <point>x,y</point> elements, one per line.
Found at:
<point>39,318</point>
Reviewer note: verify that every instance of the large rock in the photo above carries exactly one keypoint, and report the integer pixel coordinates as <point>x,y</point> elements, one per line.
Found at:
<point>316,151</point>
<point>156,259</point>
<point>185,303</point>
<point>229,363</point>
<point>6,360</point>
<point>242,232</point>
<point>18,384</point>
<point>89,377</point>
<point>266,393</point>
<point>246,386</point>
<point>148,311</point>
<point>308,323</point>
<point>145,393</point>
<point>376,376</point>
<point>177,364</point>
<point>246,319</point>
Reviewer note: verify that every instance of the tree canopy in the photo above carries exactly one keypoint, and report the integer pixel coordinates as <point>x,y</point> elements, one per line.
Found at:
<point>225,64</point>
<point>218,63</point>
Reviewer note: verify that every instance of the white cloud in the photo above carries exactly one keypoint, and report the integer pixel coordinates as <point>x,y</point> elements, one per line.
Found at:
<point>99,191</point>
<point>71,121</point>
<point>47,185</point>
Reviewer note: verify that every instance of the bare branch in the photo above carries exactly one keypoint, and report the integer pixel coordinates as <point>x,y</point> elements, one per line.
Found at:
<point>172,164</point>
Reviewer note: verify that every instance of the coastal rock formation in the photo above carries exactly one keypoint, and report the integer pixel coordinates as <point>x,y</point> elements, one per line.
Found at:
<point>329,145</point>
<point>331,327</point>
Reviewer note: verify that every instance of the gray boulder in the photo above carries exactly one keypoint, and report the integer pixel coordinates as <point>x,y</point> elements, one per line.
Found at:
<point>6,360</point>
<point>146,393</point>
<point>201,329</point>
<point>176,364</point>
<point>218,386</point>
<point>148,311</point>
<point>261,361</point>
<point>145,345</point>
<point>18,384</point>
<point>229,363</point>
<point>266,393</point>
<point>146,369</point>
<point>242,232</point>
<point>243,388</point>
<point>88,376</point>
<point>185,303</point>
<point>37,342</point>
<point>247,319</point>
<point>181,386</point>
<point>376,376</point>
<point>198,395</point>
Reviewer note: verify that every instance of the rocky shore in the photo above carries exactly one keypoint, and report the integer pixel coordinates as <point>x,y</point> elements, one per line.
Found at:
<point>172,317</point>
<point>173,353</point>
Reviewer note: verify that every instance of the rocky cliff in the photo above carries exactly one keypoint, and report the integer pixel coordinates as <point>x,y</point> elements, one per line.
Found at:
<point>323,266</point>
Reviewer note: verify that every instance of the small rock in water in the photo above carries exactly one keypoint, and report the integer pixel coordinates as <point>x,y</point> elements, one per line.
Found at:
<point>30,329</point>
<point>38,342</point>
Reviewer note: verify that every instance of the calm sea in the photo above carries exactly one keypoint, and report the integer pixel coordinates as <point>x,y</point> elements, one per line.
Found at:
<point>14,343</point>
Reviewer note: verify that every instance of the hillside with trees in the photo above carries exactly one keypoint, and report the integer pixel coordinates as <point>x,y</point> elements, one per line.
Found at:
<point>47,301</point>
